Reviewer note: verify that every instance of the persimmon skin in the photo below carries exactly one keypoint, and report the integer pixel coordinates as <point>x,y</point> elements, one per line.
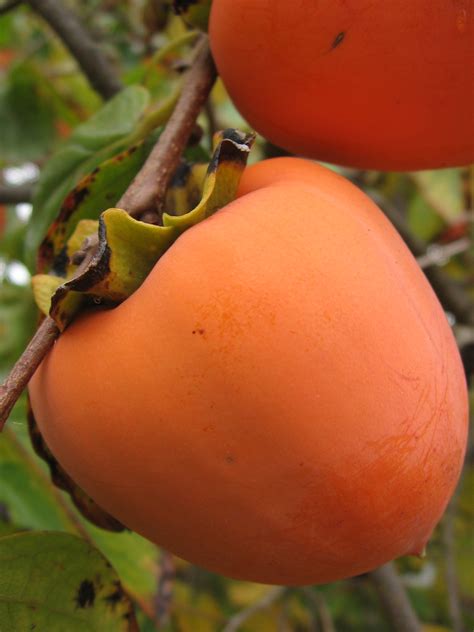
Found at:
<point>381,85</point>
<point>281,401</point>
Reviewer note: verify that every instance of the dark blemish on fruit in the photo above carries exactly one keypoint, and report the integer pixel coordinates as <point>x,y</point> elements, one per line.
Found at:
<point>229,459</point>
<point>338,39</point>
<point>201,332</point>
<point>85,595</point>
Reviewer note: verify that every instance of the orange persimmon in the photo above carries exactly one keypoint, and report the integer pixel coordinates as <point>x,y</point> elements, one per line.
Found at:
<point>282,400</point>
<point>381,85</point>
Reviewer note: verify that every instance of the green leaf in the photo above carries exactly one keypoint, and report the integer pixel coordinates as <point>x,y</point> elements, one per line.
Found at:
<point>94,193</point>
<point>17,314</point>
<point>57,582</point>
<point>13,238</point>
<point>104,135</point>
<point>423,220</point>
<point>6,30</point>
<point>25,489</point>
<point>135,559</point>
<point>442,190</point>
<point>114,120</point>
<point>28,130</point>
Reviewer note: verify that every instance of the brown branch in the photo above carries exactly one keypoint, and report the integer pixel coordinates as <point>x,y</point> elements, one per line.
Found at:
<point>147,191</point>
<point>15,194</point>
<point>24,369</point>
<point>9,5</point>
<point>394,599</point>
<point>452,584</point>
<point>92,61</point>
<point>164,593</point>
<point>321,612</point>
<point>238,619</point>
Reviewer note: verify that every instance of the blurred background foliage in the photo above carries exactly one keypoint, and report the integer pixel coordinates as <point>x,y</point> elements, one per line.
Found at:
<point>43,99</point>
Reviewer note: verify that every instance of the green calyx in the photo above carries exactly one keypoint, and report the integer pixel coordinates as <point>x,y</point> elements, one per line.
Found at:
<point>105,260</point>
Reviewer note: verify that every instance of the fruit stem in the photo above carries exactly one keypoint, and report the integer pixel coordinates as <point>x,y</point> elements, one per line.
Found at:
<point>24,369</point>
<point>146,194</point>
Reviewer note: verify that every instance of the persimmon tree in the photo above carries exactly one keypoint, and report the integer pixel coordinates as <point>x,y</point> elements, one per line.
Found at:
<point>131,123</point>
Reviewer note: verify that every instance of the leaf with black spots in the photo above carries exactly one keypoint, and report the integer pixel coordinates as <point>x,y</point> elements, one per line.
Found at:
<point>95,192</point>
<point>56,581</point>
<point>103,135</point>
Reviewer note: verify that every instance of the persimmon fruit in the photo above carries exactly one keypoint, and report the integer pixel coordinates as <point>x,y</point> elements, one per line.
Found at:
<point>382,85</point>
<point>282,399</point>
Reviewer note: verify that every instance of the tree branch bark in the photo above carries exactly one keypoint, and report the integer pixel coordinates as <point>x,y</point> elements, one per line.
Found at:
<point>145,194</point>
<point>147,191</point>
<point>237,620</point>
<point>452,584</point>
<point>9,5</point>
<point>24,369</point>
<point>16,194</point>
<point>394,599</point>
<point>94,64</point>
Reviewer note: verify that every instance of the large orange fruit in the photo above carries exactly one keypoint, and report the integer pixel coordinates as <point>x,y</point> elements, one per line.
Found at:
<point>282,400</point>
<point>384,85</point>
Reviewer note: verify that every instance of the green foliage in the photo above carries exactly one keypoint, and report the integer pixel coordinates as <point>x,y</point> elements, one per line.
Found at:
<point>49,115</point>
<point>16,322</point>
<point>27,118</point>
<point>104,135</point>
<point>25,489</point>
<point>56,581</point>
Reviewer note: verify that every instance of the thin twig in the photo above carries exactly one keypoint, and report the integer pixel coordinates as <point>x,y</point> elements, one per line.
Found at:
<point>164,593</point>
<point>94,64</point>
<point>237,620</point>
<point>143,192</point>
<point>147,191</point>
<point>394,599</point>
<point>16,194</point>
<point>452,584</point>
<point>24,369</point>
<point>438,255</point>
<point>321,611</point>
<point>9,5</point>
